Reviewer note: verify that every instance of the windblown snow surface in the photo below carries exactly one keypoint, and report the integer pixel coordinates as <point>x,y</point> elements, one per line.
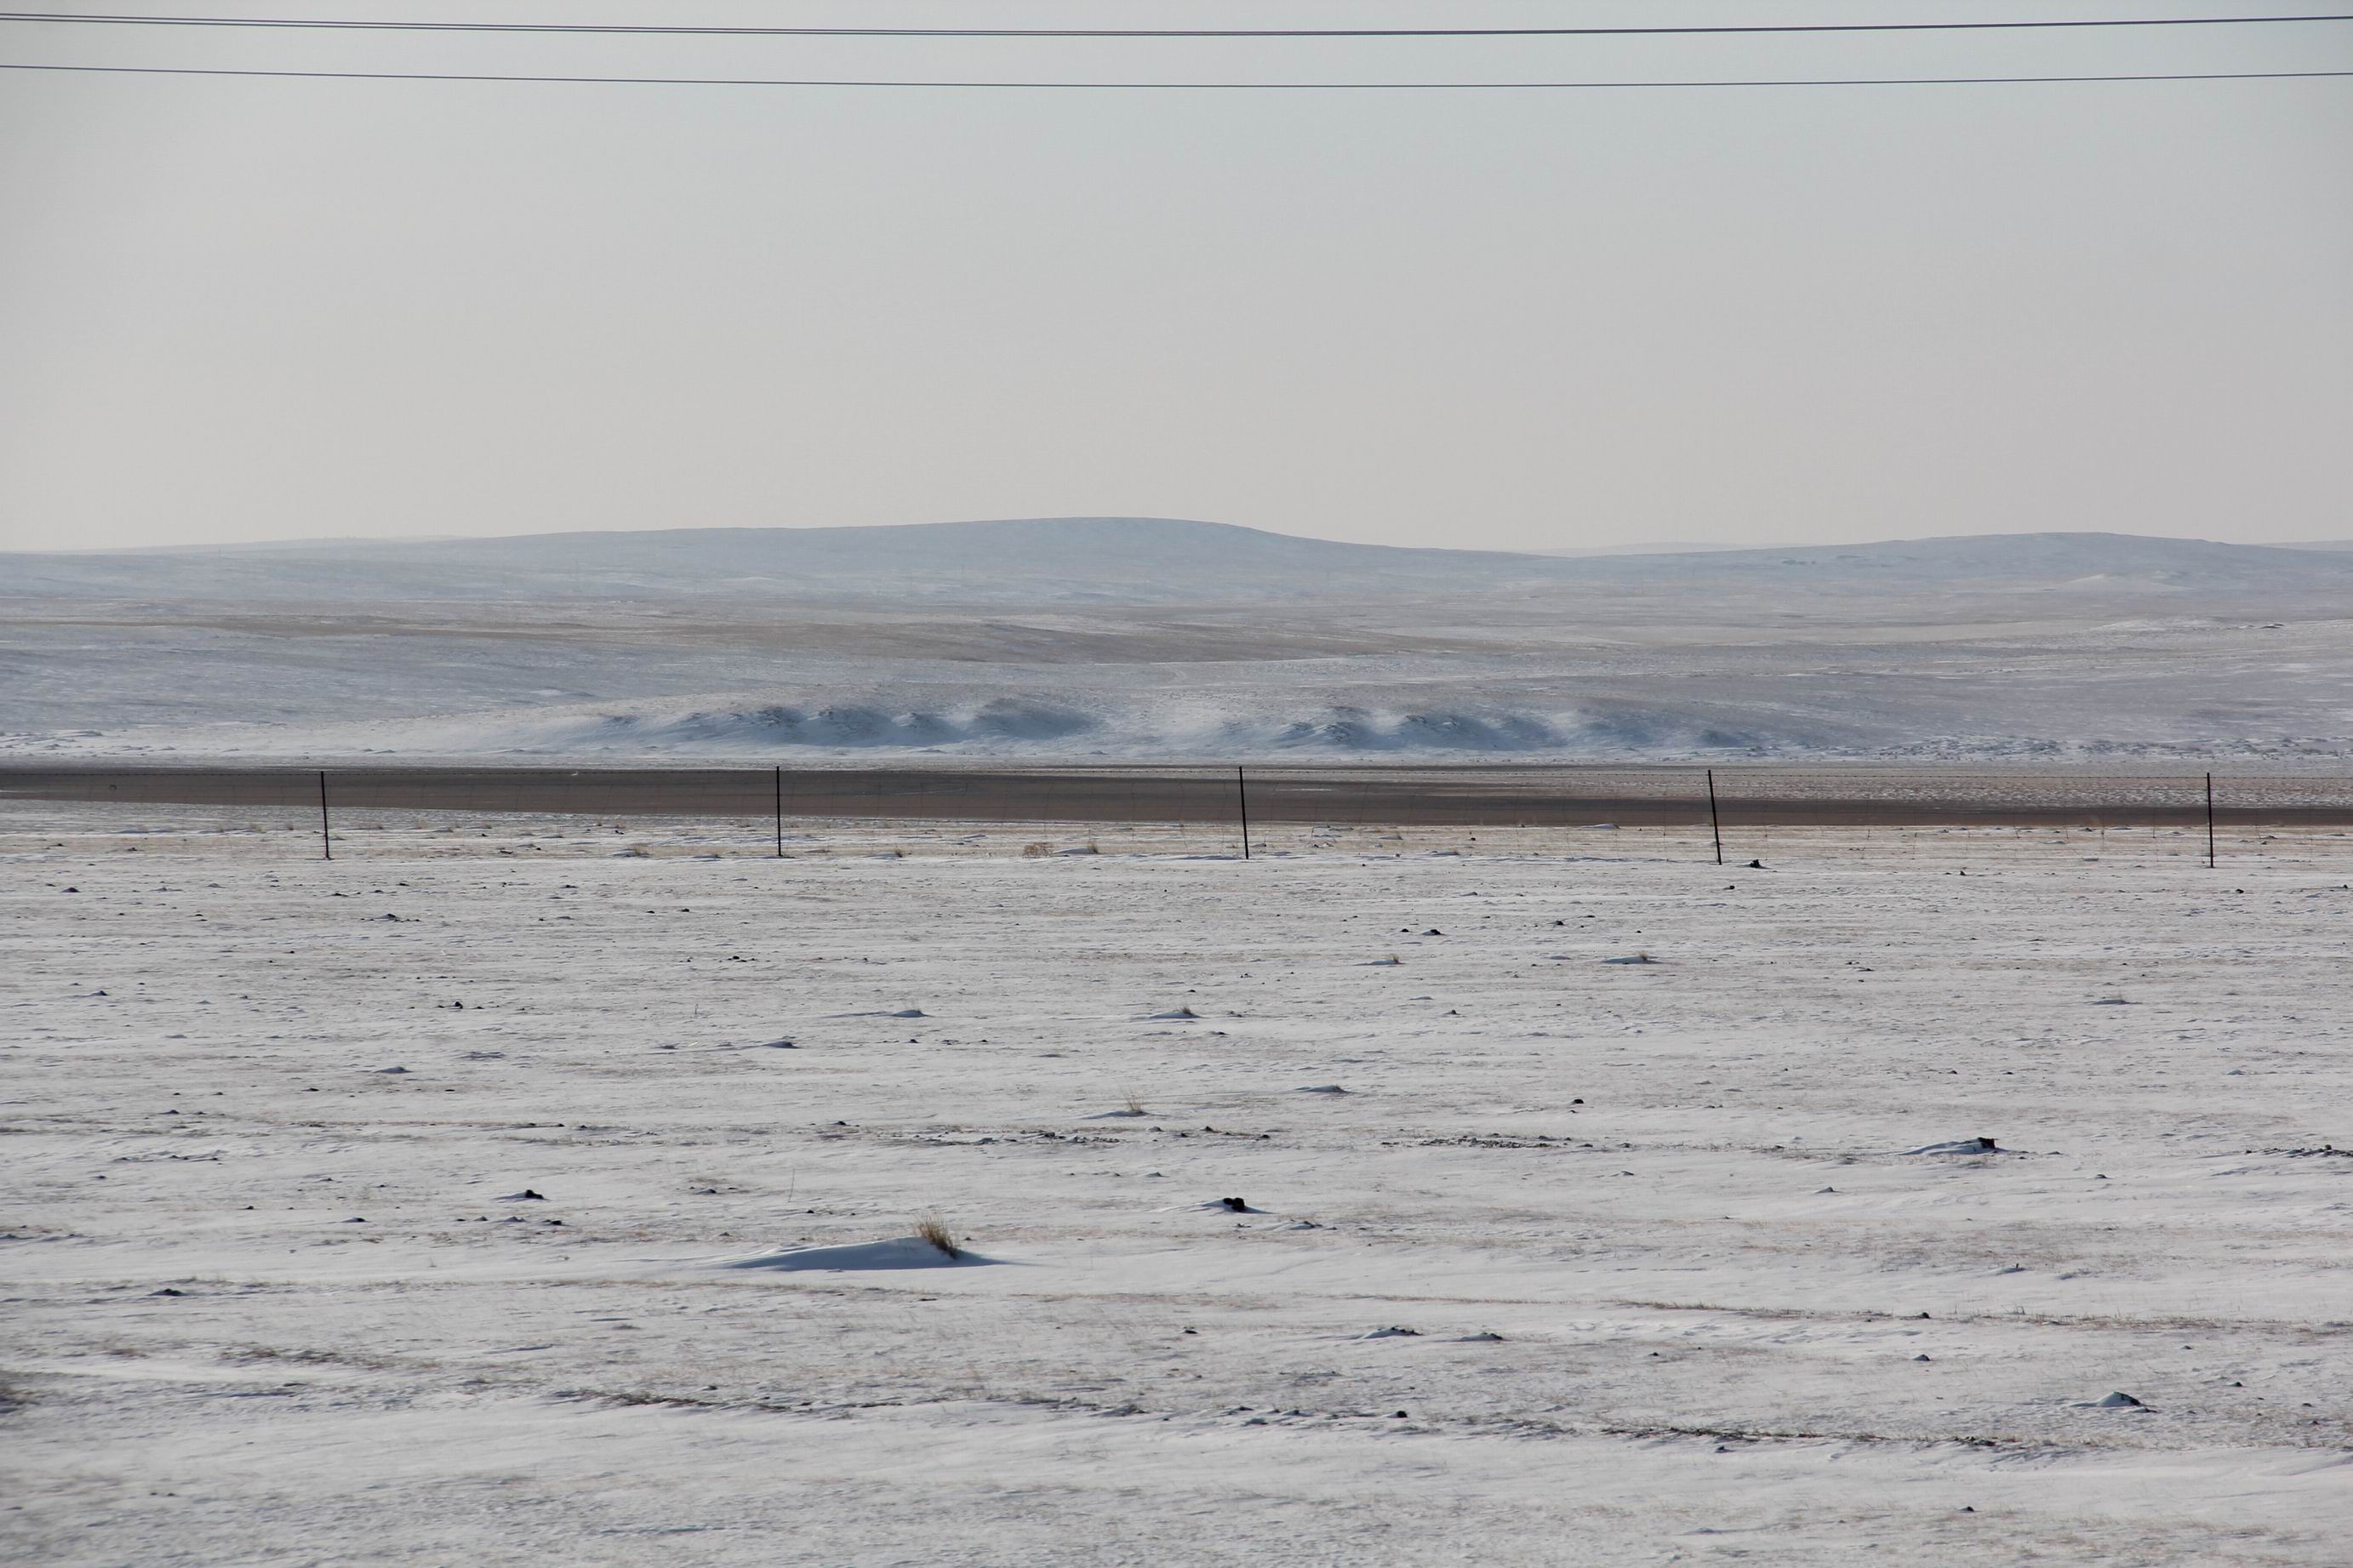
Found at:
<point>1161,638</point>
<point>1437,1238</point>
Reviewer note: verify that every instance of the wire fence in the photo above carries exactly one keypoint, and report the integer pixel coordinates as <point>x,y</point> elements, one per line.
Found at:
<point>1243,810</point>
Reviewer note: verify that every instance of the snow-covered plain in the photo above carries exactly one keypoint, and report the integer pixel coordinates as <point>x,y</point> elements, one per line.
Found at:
<point>1062,638</point>
<point>1543,1258</point>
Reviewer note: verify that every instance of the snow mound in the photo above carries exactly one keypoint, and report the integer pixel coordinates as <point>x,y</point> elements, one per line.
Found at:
<point>861,713</point>
<point>851,722</point>
<point>899,1252</point>
<point>1961,1146</point>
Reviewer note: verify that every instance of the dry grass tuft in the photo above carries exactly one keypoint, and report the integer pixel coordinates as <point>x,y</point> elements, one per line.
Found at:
<point>931,1227</point>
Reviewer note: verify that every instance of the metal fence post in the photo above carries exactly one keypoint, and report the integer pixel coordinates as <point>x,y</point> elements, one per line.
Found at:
<point>1242,793</point>
<point>2209,822</point>
<point>326,846</point>
<point>780,812</point>
<point>1715,827</point>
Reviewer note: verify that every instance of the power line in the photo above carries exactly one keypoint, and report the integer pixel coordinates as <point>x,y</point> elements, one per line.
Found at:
<point>1178,86</point>
<point>617,29</point>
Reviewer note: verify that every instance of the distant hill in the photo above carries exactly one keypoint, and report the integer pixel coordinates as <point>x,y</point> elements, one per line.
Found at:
<point>1113,561</point>
<point>1139,559</point>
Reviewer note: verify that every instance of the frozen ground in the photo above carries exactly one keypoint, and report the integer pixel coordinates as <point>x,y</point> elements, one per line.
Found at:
<point>1692,1268</point>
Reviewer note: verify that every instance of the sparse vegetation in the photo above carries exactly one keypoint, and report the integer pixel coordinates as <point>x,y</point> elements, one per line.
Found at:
<point>369,1361</point>
<point>931,1227</point>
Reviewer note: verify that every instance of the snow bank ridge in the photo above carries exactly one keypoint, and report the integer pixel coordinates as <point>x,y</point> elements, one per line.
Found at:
<point>1101,722</point>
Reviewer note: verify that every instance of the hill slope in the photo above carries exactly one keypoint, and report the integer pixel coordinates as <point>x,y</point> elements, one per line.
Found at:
<point>1140,560</point>
<point>1034,559</point>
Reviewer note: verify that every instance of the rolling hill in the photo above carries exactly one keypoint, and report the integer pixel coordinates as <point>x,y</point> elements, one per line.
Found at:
<point>1120,560</point>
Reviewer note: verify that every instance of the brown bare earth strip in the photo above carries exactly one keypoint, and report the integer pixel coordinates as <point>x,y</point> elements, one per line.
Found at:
<point>1466,795</point>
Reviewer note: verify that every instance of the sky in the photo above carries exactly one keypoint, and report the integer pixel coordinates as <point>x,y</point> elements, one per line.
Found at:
<point>237,309</point>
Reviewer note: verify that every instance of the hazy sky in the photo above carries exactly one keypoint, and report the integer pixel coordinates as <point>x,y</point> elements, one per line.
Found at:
<point>235,309</point>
